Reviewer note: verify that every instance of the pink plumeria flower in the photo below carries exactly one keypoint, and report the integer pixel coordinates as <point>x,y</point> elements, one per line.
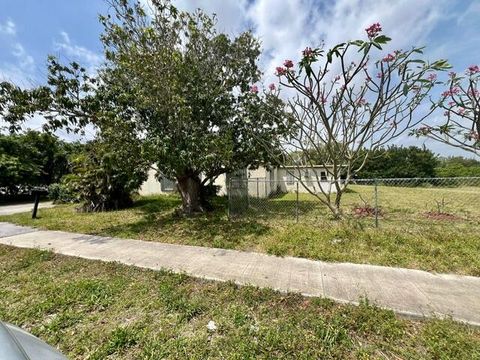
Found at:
<point>280,71</point>
<point>432,77</point>
<point>272,87</point>
<point>453,91</point>
<point>473,135</point>
<point>388,58</point>
<point>425,130</point>
<point>473,69</point>
<point>288,64</point>
<point>307,52</point>
<point>254,89</point>
<point>373,30</point>
<point>361,102</point>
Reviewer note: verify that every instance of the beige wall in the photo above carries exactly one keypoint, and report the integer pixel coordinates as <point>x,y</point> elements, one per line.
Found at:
<point>151,186</point>
<point>312,182</point>
<point>221,182</point>
<point>262,182</point>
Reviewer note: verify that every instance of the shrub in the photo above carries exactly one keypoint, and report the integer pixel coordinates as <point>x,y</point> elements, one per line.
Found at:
<point>104,177</point>
<point>62,193</point>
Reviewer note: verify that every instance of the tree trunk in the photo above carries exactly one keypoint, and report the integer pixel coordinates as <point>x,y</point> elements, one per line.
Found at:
<point>337,210</point>
<point>190,188</point>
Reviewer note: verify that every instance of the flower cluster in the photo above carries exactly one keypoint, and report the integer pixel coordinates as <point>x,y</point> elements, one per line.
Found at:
<point>281,71</point>
<point>453,91</point>
<point>272,87</point>
<point>473,69</point>
<point>388,58</point>
<point>473,135</point>
<point>432,77</point>
<point>254,89</point>
<point>373,30</point>
<point>361,102</point>
<point>307,52</point>
<point>424,130</point>
<point>452,74</point>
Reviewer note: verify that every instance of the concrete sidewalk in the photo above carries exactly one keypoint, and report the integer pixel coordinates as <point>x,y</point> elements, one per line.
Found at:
<point>408,292</point>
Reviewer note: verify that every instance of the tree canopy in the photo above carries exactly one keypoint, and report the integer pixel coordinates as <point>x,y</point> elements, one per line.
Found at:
<point>399,162</point>
<point>178,91</point>
<point>32,159</point>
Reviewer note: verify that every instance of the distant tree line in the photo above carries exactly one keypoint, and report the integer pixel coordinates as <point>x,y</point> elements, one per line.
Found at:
<point>455,166</point>
<point>33,159</point>
<point>407,162</point>
<point>415,162</point>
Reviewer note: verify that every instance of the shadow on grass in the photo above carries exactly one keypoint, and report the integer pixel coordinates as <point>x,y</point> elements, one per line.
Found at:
<point>160,222</point>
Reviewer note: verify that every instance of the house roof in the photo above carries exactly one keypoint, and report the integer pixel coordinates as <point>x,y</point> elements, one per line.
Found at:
<point>307,166</point>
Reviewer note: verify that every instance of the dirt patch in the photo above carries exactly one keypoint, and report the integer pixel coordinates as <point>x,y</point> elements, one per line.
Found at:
<point>365,211</point>
<point>434,215</point>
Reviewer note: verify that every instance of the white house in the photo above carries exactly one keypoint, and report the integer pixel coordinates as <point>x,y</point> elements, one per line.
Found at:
<point>261,182</point>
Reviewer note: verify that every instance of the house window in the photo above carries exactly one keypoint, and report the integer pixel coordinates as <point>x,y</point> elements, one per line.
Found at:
<point>323,176</point>
<point>167,184</point>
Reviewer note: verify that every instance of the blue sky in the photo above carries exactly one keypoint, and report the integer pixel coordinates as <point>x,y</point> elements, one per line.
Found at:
<point>32,29</point>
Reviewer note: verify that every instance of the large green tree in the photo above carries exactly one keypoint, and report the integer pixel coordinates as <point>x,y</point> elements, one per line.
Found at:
<point>458,166</point>
<point>32,159</point>
<point>399,162</point>
<point>182,92</point>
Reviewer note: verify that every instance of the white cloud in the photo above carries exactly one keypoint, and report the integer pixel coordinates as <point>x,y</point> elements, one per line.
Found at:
<point>231,15</point>
<point>288,27</point>
<point>25,61</point>
<point>86,57</point>
<point>21,70</point>
<point>8,27</point>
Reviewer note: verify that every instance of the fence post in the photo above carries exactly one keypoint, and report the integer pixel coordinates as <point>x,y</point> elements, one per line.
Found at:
<point>247,187</point>
<point>35,205</point>
<point>296,205</point>
<point>258,194</point>
<point>229,194</point>
<point>376,202</point>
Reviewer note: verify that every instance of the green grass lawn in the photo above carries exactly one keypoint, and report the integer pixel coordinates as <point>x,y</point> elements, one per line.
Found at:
<point>94,310</point>
<point>407,237</point>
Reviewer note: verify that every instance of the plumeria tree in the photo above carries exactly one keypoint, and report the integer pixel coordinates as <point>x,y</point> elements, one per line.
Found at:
<point>461,104</point>
<point>347,104</point>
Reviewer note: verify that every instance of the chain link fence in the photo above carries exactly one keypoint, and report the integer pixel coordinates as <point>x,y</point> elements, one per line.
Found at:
<point>430,200</point>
